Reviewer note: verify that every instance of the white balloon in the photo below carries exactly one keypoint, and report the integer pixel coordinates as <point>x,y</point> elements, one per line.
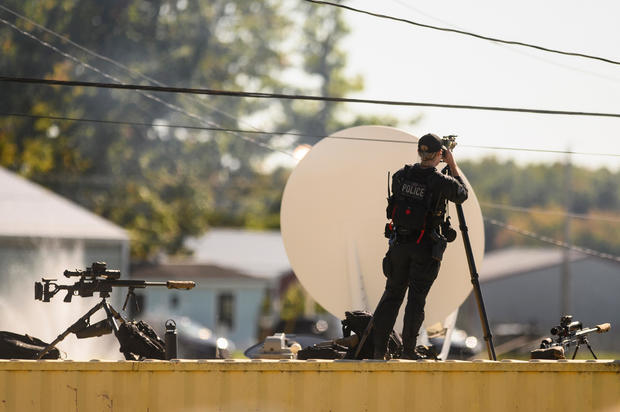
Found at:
<point>333,218</point>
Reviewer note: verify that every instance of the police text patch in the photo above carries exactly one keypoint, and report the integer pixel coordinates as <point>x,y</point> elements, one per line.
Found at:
<point>413,189</point>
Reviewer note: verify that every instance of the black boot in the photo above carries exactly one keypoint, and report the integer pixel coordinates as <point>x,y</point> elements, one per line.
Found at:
<point>410,355</point>
<point>379,354</point>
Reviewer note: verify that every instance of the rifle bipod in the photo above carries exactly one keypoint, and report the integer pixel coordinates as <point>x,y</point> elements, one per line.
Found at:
<point>583,339</point>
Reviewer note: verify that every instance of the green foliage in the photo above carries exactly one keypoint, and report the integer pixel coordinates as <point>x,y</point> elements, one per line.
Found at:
<point>594,193</point>
<point>164,184</point>
<point>252,202</point>
<point>293,302</point>
<point>325,61</point>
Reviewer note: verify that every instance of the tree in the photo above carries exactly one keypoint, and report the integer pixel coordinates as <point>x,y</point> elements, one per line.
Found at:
<point>325,61</point>
<point>158,183</point>
<point>541,188</point>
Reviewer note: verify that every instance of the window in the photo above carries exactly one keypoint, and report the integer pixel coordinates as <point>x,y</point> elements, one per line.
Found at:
<point>225,310</point>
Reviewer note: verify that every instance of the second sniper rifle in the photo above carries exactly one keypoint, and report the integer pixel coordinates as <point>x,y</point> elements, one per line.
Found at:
<point>569,333</point>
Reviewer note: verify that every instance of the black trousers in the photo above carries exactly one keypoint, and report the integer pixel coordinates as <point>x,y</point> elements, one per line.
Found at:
<point>411,267</point>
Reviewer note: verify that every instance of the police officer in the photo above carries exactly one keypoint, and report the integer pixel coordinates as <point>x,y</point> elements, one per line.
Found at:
<point>417,208</point>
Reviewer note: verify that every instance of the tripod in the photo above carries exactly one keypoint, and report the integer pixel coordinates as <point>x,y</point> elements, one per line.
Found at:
<point>84,329</point>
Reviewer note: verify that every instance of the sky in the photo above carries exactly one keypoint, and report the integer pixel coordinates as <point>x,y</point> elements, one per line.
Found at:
<point>403,62</point>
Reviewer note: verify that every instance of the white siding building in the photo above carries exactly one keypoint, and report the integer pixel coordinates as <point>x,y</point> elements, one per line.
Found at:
<point>41,235</point>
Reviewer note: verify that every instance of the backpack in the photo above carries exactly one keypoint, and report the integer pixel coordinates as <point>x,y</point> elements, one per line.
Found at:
<point>356,322</point>
<point>410,202</point>
<point>139,341</point>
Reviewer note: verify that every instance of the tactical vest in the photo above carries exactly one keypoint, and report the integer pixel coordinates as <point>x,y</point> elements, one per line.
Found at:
<point>410,203</point>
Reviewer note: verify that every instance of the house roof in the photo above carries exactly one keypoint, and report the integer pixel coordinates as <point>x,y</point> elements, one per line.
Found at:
<point>511,261</point>
<point>178,271</point>
<point>262,254</point>
<point>257,253</point>
<point>30,210</point>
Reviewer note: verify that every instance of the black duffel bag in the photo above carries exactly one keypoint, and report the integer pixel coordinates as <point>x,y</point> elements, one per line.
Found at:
<point>139,341</point>
<point>15,346</point>
<point>322,352</point>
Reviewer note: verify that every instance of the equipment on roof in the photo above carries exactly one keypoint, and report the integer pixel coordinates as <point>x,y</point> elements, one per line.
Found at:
<point>137,339</point>
<point>567,334</point>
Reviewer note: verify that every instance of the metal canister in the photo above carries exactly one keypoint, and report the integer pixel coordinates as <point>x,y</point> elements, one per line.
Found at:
<point>170,338</point>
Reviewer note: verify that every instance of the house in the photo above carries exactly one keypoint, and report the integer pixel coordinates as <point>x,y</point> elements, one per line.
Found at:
<point>226,301</point>
<point>44,233</point>
<point>236,272</point>
<point>256,253</point>
<point>41,235</point>
<point>522,286</point>
<point>240,276</point>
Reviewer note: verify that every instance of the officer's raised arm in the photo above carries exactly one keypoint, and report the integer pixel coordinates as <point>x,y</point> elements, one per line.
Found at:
<point>454,188</point>
<point>448,157</point>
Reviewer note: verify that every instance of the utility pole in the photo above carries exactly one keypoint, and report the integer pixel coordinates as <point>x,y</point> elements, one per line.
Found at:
<point>565,280</point>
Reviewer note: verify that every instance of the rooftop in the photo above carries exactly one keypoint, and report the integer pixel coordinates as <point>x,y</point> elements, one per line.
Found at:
<point>262,254</point>
<point>510,261</point>
<point>184,271</point>
<point>257,253</point>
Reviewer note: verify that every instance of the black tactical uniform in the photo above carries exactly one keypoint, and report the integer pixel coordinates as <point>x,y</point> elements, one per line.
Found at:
<point>417,207</point>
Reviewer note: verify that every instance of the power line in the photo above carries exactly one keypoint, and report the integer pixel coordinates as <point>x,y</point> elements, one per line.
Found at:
<point>233,131</point>
<point>148,124</point>
<point>171,106</point>
<point>133,73</point>
<point>549,212</point>
<point>554,242</point>
<point>263,95</point>
<point>511,49</point>
<point>466,33</point>
<point>277,133</point>
<point>523,149</point>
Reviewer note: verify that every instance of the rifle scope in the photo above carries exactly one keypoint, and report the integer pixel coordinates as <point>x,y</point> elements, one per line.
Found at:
<point>97,270</point>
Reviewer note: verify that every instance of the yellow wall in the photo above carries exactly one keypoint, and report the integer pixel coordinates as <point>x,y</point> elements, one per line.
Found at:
<point>309,386</point>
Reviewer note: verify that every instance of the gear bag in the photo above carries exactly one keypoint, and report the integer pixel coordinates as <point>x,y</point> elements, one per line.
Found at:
<point>15,346</point>
<point>139,340</point>
<point>322,352</point>
<point>409,204</point>
<point>356,321</point>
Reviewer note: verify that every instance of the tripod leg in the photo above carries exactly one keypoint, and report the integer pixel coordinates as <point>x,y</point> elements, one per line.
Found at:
<point>364,337</point>
<point>79,324</point>
<point>116,314</point>
<point>371,324</point>
<point>576,349</point>
<point>476,283</point>
<point>112,316</point>
<point>474,277</point>
<point>591,351</point>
